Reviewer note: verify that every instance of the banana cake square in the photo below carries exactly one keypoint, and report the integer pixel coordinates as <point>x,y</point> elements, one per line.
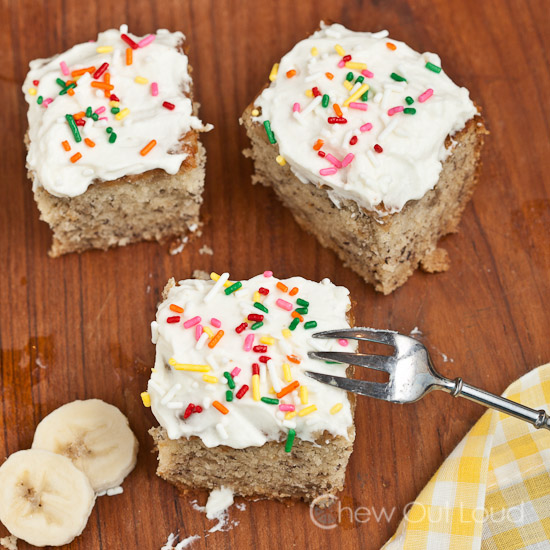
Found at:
<point>113,141</point>
<point>229,390</point>
<point>371,146</point>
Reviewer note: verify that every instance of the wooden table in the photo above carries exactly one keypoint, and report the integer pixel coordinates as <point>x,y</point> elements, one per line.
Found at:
<point>78,326</point>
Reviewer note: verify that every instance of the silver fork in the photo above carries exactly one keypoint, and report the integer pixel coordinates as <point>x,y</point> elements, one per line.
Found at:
<point>412,374</point>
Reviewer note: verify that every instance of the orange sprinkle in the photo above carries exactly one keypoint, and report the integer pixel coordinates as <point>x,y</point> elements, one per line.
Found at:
<point>66,145</point>
<point>107,80</point>
<point>282,286</point>
<point>216,339</point>
<point>146,150</point>
<point>80,72</point>
<point>174,307</point>
<point>318,144</point>
<point>287,389</point>
<point>296,315</point>
<point>294,359</point>
<point>70,91</point>
<point>220,407</point>
<point>330,76</point>
<point>391,46</point>
<point>337,110</point>
<point>101,85</point>
<point>76,157</point>
<point>129,56</point>
<point>291,73</point>
<point>82,114</point>
<point>294,291</point>
<point>89,142</point>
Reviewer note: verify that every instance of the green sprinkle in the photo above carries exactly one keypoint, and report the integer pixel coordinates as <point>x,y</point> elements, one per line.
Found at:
<point>332,363</point>
<point>409,111</point>
<point>398,77</point>
<point>409,100</point>
<point>115,110</point>
<point>303,303</point>
<point>67,88</point>
<point>229,395</point>
<point>257,325</point>
<point>261,307</point>
<point>269,132</point>
<point>294,323</point>
<point>60,82</point>
<point>325,100</point>
<point>230,381</point>
<point>74,128</point>
<point>433,67</point>
<point>290,440</point>
<point>349,76</point>
<point>310,324</point>
<point>39,100</point>
<point>270,400</point>
<point>359,79</point>
<point>302,310</point>
<point>89,112</point>
<point>108,129</point>
<point>235,286</point>
<point>365,96</point>
<point>112,137</point>
<point>95,116</point>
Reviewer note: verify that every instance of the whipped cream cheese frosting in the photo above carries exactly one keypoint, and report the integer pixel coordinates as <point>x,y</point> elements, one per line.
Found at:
<point>203,384</point>
<point>129,107</point>
<point>363,114</point>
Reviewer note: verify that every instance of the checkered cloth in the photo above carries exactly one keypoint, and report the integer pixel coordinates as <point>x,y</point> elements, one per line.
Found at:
<point>493,491</point>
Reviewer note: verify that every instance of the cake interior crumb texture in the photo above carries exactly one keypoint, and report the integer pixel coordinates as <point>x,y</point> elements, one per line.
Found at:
<point>384,250</point>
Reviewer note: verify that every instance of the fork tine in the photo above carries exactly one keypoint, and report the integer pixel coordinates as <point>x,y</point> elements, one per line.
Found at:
<point>363,387</point>
<point>360,333</point>
<point>378,362</point>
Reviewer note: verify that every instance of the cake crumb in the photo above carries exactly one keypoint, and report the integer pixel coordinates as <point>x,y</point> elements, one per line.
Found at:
<point>436,261</point>
<point>200,274</point>
<point>178,245</point>
<point>206,250</point>
<point>9,542</point>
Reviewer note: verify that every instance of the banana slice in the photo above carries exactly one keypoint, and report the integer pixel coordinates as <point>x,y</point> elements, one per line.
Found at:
<point>95,436</point>
<point>44,499</point>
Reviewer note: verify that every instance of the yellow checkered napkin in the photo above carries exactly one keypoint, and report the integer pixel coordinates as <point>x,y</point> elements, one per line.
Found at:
<point>493,491</point>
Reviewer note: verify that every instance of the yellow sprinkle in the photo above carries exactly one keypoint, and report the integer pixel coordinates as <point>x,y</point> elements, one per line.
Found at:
<point>360,91</point>
<point>32,91</point>
<point>256,387</point>
<point>304,395</point>
<point>309,93</point>
<point>209,378</point>
<point>123,114</point>
<point>143,80</point>
<point>336,408</point>
<point>257,297</point>
<point>307,410</point>
<point>146,398</point>
<point>272,391</point>
<point>214,276</point>
<point>290,415</point>
<point>208,331</point>
<point>274,71</point>
<point>280,160</point>
<point>340,50</point>
<point>190,367</point>
<point>153,370</point>
<point>104,49</point>
<point>287,374</point>
<point>348,84</point>
<point>255,112</point>
<point>356,65</point>
<point>287,333</point>
<point>314,51</point>
<point>114,103</point>
<point>269,340</point>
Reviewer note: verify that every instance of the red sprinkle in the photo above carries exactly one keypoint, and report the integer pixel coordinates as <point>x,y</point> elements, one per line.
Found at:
<point>80,122</point>
<point>129,41</point>
<point>113,97</point>
<point>264,359</point>
<point>321,153</point>
<point>263,291</point>
<point>241,392</point>
<point>168,105</point>
<point>353,140</point>
<point>315,91</point>
<point>174,319</point>
<point>255,317</point>
<point>255,368</point>
<point>241,327</point>
<point>259,349</point>
<point>189,411</point>
<point>101,70</point>
<point>198,409</point>
<point>337,120</point>
<point>346,58</point>
<point>378,149</point>
<point>36,82</point>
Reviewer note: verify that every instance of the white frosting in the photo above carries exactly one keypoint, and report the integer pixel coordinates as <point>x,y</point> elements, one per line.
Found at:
<point>248,422</point>
<point>159,62</point>
<point>219,500</point>
<point>413,144</point>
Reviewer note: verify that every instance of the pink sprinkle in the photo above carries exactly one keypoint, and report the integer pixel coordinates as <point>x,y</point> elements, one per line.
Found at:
<point>366,127</point>
<point>426,95</point>
<point>64,68</point>
<point>47,101</point>
<point>268,274</point>
<point>341,64</point>
<point>103,118</point>
<point>347,159</point>
<point>296,108</point>
<point>283,304</point>
<point>154,89</point>
<point>215,322</point>
<point>99,110</point>
<point>192,322</point>
<point>328,171</point>
<point>366,73</point>
<point>146,41</point>
<point>343,342</point>
<point>198,332</point>
<point>235,372</point>
<point>333,160</point>
<point>248,341</point>
<point>360,106</point>
<point>287,407</point>
<point>395,110</point>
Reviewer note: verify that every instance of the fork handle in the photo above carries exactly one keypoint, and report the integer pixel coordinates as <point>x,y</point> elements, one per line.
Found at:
<point>539,418</point>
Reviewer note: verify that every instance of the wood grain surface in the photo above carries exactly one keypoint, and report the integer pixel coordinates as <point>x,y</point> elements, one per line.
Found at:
<point>78,326</point>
